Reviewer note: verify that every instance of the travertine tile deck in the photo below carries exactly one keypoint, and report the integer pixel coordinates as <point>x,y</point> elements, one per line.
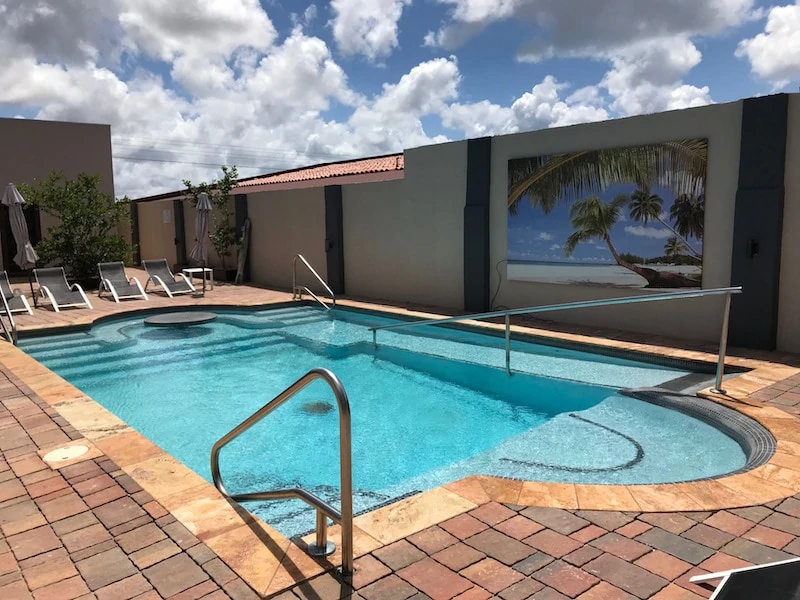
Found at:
<point>105,526</point>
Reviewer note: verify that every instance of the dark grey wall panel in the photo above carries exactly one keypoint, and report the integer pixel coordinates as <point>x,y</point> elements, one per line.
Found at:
<point>239,216</point>
<point>137,253</point>
<point>180,232</point>
<point>334,238</point>
<point>476,225</point>
<point>758,222</point>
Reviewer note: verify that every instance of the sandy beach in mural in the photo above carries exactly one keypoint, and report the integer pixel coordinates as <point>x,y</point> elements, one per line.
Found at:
<point>599,275</point>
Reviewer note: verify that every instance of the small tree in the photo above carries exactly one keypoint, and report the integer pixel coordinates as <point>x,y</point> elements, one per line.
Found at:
<point>87,231</point>
<point>223,236</point>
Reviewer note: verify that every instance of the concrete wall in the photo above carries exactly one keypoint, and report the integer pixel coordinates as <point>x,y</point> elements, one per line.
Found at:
<point>157,238</point>
<point>404,240</point>
<point>30,149</point>
<point>698,319</point>
<point>285,223</point>
<point>789,299</point>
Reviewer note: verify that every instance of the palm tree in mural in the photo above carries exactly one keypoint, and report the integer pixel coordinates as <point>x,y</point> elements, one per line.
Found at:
<point>674,247</point>
<point>689,211</point>
<point>566,178</point>
<point>593,219</point>
<point>646,207</point>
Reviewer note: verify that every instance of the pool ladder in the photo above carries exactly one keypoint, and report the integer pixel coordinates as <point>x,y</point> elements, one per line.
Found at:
<point>10,330</point>
<point>297,290</point>
<point>321,546</point>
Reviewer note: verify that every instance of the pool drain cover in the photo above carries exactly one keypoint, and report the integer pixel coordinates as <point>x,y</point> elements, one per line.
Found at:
<point>317,408</point>
<point>66,453</point>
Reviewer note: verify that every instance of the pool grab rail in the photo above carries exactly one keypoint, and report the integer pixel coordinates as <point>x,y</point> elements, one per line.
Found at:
<point>321,547</point>
<point>297,290</point>
<point>11,335</point>
<point>723,341</point>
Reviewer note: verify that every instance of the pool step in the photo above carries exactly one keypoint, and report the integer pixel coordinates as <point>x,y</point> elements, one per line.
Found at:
<point>165,362</point>
<point>173,354</point>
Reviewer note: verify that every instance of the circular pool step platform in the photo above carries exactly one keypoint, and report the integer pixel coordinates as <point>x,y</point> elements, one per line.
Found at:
<point>180,319</point>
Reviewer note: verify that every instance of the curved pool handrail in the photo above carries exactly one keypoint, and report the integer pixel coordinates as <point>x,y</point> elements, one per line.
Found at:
<point>723,344</point>
<point>324,510</point>
<point>297,290</point>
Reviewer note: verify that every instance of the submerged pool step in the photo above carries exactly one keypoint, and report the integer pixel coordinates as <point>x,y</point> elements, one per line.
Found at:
<point>104,377</point>
<point>165,363</point>
<point>184,351</point>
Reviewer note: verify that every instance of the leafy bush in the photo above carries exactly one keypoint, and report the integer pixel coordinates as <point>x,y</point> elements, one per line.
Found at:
<point>87,231</point>
<point>223,234</point>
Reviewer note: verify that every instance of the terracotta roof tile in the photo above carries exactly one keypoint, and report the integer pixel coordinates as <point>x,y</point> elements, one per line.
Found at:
<point>379,164</point>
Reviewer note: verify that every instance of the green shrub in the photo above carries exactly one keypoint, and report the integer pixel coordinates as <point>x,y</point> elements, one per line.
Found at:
<point>87,231</point>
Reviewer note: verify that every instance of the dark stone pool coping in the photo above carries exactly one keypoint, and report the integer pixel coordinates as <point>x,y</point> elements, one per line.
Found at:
<point>756,441</point>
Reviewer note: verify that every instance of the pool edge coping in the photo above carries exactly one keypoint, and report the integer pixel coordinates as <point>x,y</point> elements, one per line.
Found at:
<point>193,501</point>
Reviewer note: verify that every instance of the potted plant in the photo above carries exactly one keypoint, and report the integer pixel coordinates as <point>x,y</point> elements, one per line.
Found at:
<point>223,233</point>
<point>87,228</point>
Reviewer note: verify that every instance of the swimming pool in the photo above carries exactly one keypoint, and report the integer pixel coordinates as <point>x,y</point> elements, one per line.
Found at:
<point>429,406</point>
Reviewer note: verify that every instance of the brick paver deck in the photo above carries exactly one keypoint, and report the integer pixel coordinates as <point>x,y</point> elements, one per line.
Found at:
<point>89,531</point>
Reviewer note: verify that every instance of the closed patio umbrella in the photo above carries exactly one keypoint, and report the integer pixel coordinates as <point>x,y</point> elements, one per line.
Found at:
<point>201,221</point>
<point>26,256</point>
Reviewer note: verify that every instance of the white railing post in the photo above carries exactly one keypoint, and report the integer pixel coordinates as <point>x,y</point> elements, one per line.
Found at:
<point>508,344</point>
<point>723,347</point>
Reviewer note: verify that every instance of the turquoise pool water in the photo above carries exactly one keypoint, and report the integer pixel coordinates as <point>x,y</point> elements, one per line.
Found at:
<point>431,405</point>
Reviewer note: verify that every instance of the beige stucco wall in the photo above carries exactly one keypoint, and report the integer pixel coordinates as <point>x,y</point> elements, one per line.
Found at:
<point>30,149</point>
<point>282,224</point>
<point>697,319</point>
<point>157,238</point>
<point>404,239</point>
<point>789,295</point>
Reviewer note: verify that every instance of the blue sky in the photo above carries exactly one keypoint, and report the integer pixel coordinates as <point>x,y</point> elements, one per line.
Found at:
<point>268,85</point>
<point>536,236</point>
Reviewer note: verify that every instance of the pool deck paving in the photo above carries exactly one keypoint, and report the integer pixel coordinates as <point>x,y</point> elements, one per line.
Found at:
<point>126,520</point>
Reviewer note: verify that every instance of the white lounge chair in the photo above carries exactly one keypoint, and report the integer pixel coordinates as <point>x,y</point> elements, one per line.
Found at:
<point>15,299</point>
<point>53,286</point>
<point>158,272</point>
<point>114,280</point>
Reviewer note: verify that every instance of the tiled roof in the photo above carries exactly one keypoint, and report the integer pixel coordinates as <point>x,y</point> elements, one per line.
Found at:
<point>380,164</point>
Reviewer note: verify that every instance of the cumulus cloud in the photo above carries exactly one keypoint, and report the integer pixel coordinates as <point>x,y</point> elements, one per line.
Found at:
<point>587,27</point>
<point>540,108</point>
<point>650,232</point>
<point>648,44</point>
<point>545,236</point>
<point>366,27</point>
<point>774,54</point>
<point>646,77</point>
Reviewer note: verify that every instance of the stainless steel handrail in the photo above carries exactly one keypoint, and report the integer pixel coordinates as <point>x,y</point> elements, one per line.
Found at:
<point>11,336</point>
<point>297,290</point>
<point>324,510</point>
<point>723,343</point>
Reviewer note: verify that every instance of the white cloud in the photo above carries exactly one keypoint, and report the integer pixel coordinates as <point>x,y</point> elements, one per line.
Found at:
<point>555,247</point>
<point>587,27</point>
<point>646,77</point>
<point>366,27</point>
<point>774,55</point>
<point>195,28</point>
<point>540,108</point>
<point>547,237</point>
<point>650,232</point>
<point>650,49</point>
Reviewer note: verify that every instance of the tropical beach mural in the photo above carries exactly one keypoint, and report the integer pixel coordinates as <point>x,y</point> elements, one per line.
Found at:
<point>629,217</point>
